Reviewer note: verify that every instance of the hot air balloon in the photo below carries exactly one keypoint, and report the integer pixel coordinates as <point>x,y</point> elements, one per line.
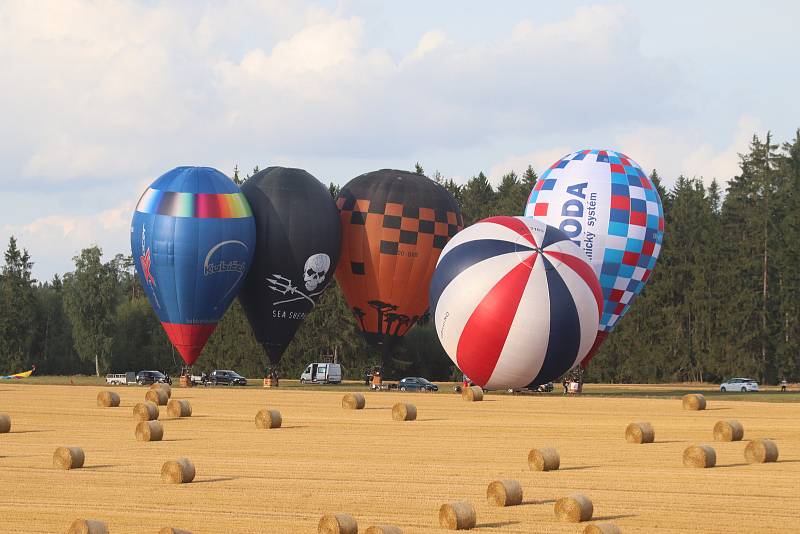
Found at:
<point>192,239</point>
<point>608,206</point>
<point>515,302</point>
<point>394,226</point>
<point>297,248</point>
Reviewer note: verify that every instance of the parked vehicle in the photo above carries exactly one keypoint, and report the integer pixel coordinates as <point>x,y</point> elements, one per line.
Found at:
<point>541,388</point>
<point>151,377</point>
<point>322,373</point>
<point>416,383</point>
<point>121,379</point>
<point>739,384</point>
<point>227,377</point>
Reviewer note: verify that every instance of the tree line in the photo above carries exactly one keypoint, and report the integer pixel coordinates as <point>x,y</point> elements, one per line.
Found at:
<point>722,302</point>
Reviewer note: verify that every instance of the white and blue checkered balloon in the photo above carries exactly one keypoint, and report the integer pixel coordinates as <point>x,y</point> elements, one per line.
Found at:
<point>608,206</point>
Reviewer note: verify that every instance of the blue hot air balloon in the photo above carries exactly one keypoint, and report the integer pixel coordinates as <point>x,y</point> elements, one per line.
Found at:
<point>192,239</point>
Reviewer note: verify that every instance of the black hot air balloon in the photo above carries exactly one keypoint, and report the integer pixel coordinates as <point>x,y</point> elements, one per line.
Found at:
<point>298,239</point>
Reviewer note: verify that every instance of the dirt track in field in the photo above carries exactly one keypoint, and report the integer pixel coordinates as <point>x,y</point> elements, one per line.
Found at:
<point>327,459</point>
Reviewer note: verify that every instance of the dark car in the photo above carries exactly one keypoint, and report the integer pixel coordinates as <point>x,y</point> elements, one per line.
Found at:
<point>231,378</point>
<point>415,383</point>
<point>150,377</point>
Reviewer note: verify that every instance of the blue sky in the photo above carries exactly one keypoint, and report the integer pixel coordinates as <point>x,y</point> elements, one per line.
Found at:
<point>102,98</point>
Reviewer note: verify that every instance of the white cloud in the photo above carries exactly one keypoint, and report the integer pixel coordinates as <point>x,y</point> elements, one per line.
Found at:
<point>99,95</point>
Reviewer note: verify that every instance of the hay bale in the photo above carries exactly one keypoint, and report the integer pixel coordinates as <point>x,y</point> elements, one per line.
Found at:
<point>180,471</point>
<point>694,401</point>
<point>268,419</point>
<point>760,451</point>
<point>337,524</point>
<point>699,456</point>
<point>472,394</point>
<point>173,530</point>
<point>157,396</point>
<point>403,411</point>
<point>545,459</point>
<point>384,529</point>
<point>601,528</point>
<point>504,493</point>
<point>87,526</point>
<point>108,399</point>
<point>729,430</point>
<point>457,515</point>
<point>574,508</point>
<point>68,458</point>
<point>161,385</point>
<point>354,401</point>
<point>149,431</point>
<point>145,411</point>
<point>640,433</point>
<point>5,423</point>
<point>179,408</point>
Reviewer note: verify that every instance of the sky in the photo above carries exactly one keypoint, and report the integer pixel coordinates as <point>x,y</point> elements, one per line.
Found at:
<point>100,98</point>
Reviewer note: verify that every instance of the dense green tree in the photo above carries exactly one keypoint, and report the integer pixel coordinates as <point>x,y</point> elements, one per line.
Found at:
<point>477,199</point>
<point>91,295</point>
<point>18,310</point>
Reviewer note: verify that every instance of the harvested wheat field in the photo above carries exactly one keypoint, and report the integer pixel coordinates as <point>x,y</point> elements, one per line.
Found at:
<point>324,459</point>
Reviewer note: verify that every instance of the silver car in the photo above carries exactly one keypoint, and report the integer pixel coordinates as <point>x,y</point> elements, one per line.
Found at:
<point>739,384</point>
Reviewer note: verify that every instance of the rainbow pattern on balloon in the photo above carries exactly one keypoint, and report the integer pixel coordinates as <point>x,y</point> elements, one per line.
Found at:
<point>200,205</point>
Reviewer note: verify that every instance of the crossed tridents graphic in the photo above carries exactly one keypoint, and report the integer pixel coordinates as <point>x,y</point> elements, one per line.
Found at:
<point>284,286</point>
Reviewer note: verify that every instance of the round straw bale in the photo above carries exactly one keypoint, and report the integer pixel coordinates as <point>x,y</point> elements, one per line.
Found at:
<point>354,401</point>
<point>87,526</point>
<point>699,456</point>
<point>384,529</point>
<point>545,459</point>
<point>179,471</point>
<point>161,385</point>
<point>601,528</point>
<point>157,395</point>
<point>457,515</point>
<point>574,508</point>
<point>145,411</point>
<point>729,430</point>
<point>404,412</point>
<point>640,433</point>
<point>337,524</point>
<point>268,419</point>
<point>68,458</point>
<point>173,530</point>
<point>504,493</point>
<point>108,399</point>
<point>179,408</point>
<point>149,431</point>
<point>694,401</point>
<point>472,394</point>
<point>760,451</point>
<point>5,423</point>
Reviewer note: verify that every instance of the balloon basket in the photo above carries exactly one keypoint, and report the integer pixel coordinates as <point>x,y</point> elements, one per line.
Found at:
<point>377,381</point>
<point>186,381</point>
<point>575,388</point>
<point>270,382</point>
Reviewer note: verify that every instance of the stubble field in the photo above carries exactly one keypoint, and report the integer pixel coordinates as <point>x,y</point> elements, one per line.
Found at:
<point>327,459</point>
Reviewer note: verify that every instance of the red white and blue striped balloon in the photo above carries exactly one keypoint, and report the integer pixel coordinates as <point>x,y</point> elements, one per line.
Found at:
<point>515,302</point>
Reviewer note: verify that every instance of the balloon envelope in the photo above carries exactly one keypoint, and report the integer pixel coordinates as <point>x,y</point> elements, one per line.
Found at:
<point>192,240</point>
<point>608,206</point>
<point>515,302</point>
<point>297,248</point>
<point>394,226</point>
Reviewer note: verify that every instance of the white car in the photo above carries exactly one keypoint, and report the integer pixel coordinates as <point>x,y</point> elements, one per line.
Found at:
<point>739,384</point>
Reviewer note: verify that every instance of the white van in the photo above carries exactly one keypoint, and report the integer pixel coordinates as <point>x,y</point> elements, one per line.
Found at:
<point>322,373</point>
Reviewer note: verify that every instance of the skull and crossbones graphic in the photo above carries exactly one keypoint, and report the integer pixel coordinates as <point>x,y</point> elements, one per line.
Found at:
<point>314,272</point>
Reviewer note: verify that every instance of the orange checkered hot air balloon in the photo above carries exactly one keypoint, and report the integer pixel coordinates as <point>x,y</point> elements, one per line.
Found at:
<point>394,226</point>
